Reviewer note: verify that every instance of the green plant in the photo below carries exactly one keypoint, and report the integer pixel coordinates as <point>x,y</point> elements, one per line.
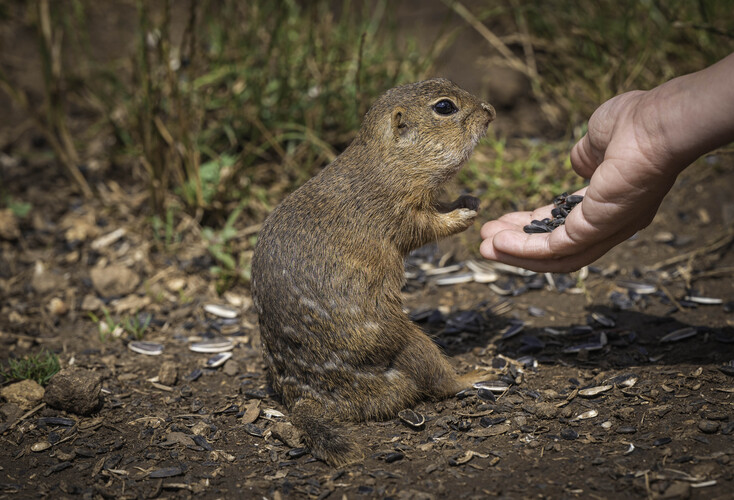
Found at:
<point>136,325</point>
<point>51,117</point>
<point>19,208</point>
<point>163,230</point>
<point>577,55</point>
<point>106,326</point>
<point>39,367</point>
<point>237,106</point>
<point>220,244</point>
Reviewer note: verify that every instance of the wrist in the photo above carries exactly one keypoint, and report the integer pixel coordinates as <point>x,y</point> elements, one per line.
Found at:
<point>693,114</point>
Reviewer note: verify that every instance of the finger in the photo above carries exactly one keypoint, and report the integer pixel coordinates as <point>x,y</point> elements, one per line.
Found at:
<point>583,158</point>
<point>494,249</point>
<point>489,229</point>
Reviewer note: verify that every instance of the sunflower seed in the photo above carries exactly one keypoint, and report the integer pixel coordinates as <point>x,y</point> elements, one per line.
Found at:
<point>492,385</point>
<point>147,348</point>
<point>254,430</point>
<point>680,334</point>
<point>603,320</point>
<point>500,290</point>
<point>703,300</point>
<point>465,457</point>
<point>535,228</point>
<point>213,345</point>
<point>513,330</point>
<point>506,268</point>
<point>625,380</point>
<point>485,277</point>
<point>221,311</point>
<point>166,472</point>
<point>436,271</point>
<point>594,345</point>
<point>536,312</point>
<point>455,279</point>
<point>218,360</point>
<point>727,368</point>
<point>639,288</point>
<point>585,415</point>
<point>482,273</point>
<point>486,395</point>
<point>412,418</point>
<point>591,392</point>
<point>40,446</point>
<point>662,441</point>
<point>272,413</point>
<point>704,484</point>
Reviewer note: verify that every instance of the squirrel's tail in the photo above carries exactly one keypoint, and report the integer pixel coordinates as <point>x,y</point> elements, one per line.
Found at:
<point>323,435</point>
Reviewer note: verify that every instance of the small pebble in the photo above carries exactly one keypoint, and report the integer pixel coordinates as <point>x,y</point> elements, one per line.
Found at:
<point>708,426</point>
<point>569,434</point>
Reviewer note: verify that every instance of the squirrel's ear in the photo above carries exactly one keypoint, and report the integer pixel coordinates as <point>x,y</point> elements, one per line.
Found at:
<point>399,123</point>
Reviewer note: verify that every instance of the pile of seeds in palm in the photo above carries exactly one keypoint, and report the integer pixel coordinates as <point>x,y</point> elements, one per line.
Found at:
<point>563,204</point>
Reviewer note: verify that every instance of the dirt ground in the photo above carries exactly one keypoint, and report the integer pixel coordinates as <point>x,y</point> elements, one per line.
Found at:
<point>595,398</point>
<point>667,435</point>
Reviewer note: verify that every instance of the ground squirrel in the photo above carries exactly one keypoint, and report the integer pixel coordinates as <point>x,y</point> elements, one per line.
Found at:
<point>328,267</point>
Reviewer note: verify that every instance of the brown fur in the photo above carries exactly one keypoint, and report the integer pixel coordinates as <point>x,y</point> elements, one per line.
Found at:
<point>328,267</point>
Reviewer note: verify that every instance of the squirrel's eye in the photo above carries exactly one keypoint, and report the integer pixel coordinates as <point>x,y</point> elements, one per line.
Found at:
<point>445,107</point>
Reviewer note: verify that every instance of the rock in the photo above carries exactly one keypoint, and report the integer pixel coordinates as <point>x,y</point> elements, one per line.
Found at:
<point>91,303</point>
<point>546,411</point>
<point>231,368</point>
<point>57,307</point>
<point>44,281</point>
<point>114,280</point>
<point>26,394</point>
<point>178,438</point>
<point>679,490</point>
<point>201,429</point>
<point>10,412</point>
<point>8,225</point>
<point>168,373</point>
<point>286,433</point>
<point>708,426</point>
<point>75,390</point>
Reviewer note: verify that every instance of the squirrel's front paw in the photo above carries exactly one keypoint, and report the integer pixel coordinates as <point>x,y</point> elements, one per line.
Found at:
<point>466,201</point>
<point>463,217</point>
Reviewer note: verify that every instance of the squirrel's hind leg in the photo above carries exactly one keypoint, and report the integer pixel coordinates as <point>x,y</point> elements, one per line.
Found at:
<point>323,435</point>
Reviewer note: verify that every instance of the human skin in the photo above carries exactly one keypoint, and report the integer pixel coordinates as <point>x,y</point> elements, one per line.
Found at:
<point>636,145</point>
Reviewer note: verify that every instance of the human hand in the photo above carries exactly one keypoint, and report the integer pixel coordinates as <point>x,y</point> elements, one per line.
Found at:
<point>636,145</point>
<point>631,166</point>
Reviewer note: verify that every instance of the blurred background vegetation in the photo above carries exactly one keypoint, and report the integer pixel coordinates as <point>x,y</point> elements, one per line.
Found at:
<point>222,107</point>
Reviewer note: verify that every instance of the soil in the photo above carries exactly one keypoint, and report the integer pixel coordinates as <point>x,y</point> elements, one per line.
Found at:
<point>668,434</point>
<point>660,426</point>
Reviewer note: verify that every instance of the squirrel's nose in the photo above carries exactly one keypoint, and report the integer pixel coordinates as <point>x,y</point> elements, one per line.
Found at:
<point>489,109</point>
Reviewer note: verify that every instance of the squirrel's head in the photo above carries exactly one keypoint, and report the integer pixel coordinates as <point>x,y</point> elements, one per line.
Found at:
<point>429,127</point>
